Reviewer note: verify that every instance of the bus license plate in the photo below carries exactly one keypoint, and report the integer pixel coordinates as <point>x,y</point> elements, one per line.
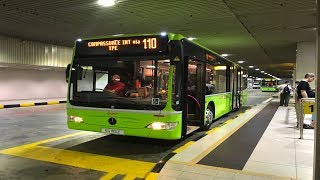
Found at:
<point>113,131</point>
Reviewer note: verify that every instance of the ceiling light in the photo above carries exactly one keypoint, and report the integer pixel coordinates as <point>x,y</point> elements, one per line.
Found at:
<point>118,35</point>
<point>262,71</point>
<point>79,40</point>
<point>191,38</point>
<point>163,33</point>
<point>251,66</point>
<point>240,62</point>
<point>3,66</point>
<point>106,3</point>
<point>257,69</point>
<point>224,55</point>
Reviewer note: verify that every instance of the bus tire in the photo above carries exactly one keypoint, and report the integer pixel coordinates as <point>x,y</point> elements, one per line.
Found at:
<point>209,117</point>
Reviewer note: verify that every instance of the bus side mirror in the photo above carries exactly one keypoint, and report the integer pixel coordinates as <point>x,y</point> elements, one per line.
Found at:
<point>76,73</point>
<point>67,72</point>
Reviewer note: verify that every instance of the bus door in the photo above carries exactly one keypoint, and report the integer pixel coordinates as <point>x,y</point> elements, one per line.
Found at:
<point>195,92</point>
<point>236,84</point>
<point>239,86</point>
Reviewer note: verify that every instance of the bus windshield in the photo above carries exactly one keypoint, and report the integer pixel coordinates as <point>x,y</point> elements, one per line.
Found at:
<point>120,84</point>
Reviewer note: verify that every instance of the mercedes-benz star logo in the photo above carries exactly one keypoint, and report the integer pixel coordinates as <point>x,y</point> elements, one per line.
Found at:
<point>112,121</point>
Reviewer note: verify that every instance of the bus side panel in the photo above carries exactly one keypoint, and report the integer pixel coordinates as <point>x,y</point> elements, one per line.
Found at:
<point>268,89</point>
<point>222,103</point>
<point>132,123</point>
<point>244,96</point>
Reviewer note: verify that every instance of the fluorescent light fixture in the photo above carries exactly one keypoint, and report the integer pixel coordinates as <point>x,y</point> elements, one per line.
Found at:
<point>224,55</point>
<point>118,35</point>
<point>79,40</point>
<point>106,3</point>
<point>257,69</point>
<point>163,33</point>
<point>262,71</point>
<point>251,66</point>
<point>191,38</point>
<point>240,62</point>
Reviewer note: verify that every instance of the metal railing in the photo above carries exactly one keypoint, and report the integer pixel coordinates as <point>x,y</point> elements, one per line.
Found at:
<point>304,106</point>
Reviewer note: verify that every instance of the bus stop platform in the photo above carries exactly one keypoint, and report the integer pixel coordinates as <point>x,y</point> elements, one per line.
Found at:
<point>262,143</point>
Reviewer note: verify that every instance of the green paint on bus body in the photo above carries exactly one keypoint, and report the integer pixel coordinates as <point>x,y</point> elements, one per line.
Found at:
<point>135,122</point>
<point>268,89</point>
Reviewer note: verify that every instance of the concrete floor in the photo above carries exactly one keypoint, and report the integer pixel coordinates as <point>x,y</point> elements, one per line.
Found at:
<point>70,154</point>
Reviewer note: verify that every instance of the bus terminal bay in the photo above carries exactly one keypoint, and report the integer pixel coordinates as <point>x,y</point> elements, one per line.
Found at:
<point>103,103</point>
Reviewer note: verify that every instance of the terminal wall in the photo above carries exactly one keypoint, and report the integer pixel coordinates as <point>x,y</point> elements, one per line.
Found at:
<point>18,51</point>
<point>18,84</point>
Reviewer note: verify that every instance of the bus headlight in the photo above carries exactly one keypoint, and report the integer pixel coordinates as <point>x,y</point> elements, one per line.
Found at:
<point>75,119</point>
<point>162,125</point>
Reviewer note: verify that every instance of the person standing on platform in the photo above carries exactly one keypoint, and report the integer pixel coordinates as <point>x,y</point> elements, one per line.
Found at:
<point>304,91</point>
<point>285,93</point>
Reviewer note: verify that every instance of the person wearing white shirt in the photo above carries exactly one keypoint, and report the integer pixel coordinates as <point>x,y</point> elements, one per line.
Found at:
<point>285,93</point>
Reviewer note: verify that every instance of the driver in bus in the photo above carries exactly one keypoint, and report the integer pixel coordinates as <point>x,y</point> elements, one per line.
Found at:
<point>115,86</point>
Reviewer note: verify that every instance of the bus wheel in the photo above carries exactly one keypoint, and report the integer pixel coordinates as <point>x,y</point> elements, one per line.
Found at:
<point>208,118</point>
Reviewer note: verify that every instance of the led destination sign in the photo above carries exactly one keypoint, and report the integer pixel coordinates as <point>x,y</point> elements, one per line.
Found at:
<point>123,46</point>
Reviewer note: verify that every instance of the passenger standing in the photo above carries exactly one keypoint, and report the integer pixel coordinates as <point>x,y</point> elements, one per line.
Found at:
<point>304,91</point>
<point>285,93</point>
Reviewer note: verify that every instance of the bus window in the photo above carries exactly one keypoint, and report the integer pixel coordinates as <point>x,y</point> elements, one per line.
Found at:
<point>219,77</point>
<point>210,83</point>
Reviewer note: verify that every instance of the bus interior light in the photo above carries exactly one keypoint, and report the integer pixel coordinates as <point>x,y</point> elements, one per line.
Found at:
<point>162,125</point>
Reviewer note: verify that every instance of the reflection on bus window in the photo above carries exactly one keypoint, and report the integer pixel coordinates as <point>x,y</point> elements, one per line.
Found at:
<point>145,84</point>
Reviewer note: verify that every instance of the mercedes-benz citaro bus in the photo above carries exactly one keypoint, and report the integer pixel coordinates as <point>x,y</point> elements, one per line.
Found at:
<point>159,86</point>
<point>268,85</point>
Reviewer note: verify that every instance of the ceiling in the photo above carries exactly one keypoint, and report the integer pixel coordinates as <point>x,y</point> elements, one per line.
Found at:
<point>263,33</point>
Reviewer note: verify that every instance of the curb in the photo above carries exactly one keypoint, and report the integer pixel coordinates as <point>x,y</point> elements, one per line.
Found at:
<point>28,104</point>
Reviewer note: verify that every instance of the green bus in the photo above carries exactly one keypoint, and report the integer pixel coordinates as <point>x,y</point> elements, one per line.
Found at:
<point>268,85</point>
<point>159,86</point>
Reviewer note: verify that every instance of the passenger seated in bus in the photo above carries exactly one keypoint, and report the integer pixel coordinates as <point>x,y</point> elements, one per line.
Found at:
<point>115,86</point>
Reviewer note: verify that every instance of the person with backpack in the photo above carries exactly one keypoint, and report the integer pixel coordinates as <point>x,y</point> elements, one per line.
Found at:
<point>285,93</point>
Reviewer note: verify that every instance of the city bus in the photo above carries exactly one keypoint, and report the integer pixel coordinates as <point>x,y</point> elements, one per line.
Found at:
<point>165,86</point>
<point>268,85</point>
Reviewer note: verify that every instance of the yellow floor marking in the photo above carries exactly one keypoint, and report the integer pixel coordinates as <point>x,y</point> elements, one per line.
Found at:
<point>216,144</point>
<point>184,147</point>
<point>133,176</point>
<point>212,130</point>
<point>1,106</point>
<point>108,164</point>
<point>26,104</point>
<point>79,159</point>
<point>108,176</point>
<point>53,102</point>
<point>152,176</point>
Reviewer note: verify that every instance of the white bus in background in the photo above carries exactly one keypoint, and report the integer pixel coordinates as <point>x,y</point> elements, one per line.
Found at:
<point>256,84</point>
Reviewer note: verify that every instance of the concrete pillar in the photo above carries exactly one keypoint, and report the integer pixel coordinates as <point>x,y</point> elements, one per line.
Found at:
<point>306,60</point>
<point>316,166</point>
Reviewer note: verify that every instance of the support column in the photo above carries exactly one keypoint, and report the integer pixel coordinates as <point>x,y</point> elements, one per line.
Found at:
<point>316,166</point>
<point>306,60</point>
